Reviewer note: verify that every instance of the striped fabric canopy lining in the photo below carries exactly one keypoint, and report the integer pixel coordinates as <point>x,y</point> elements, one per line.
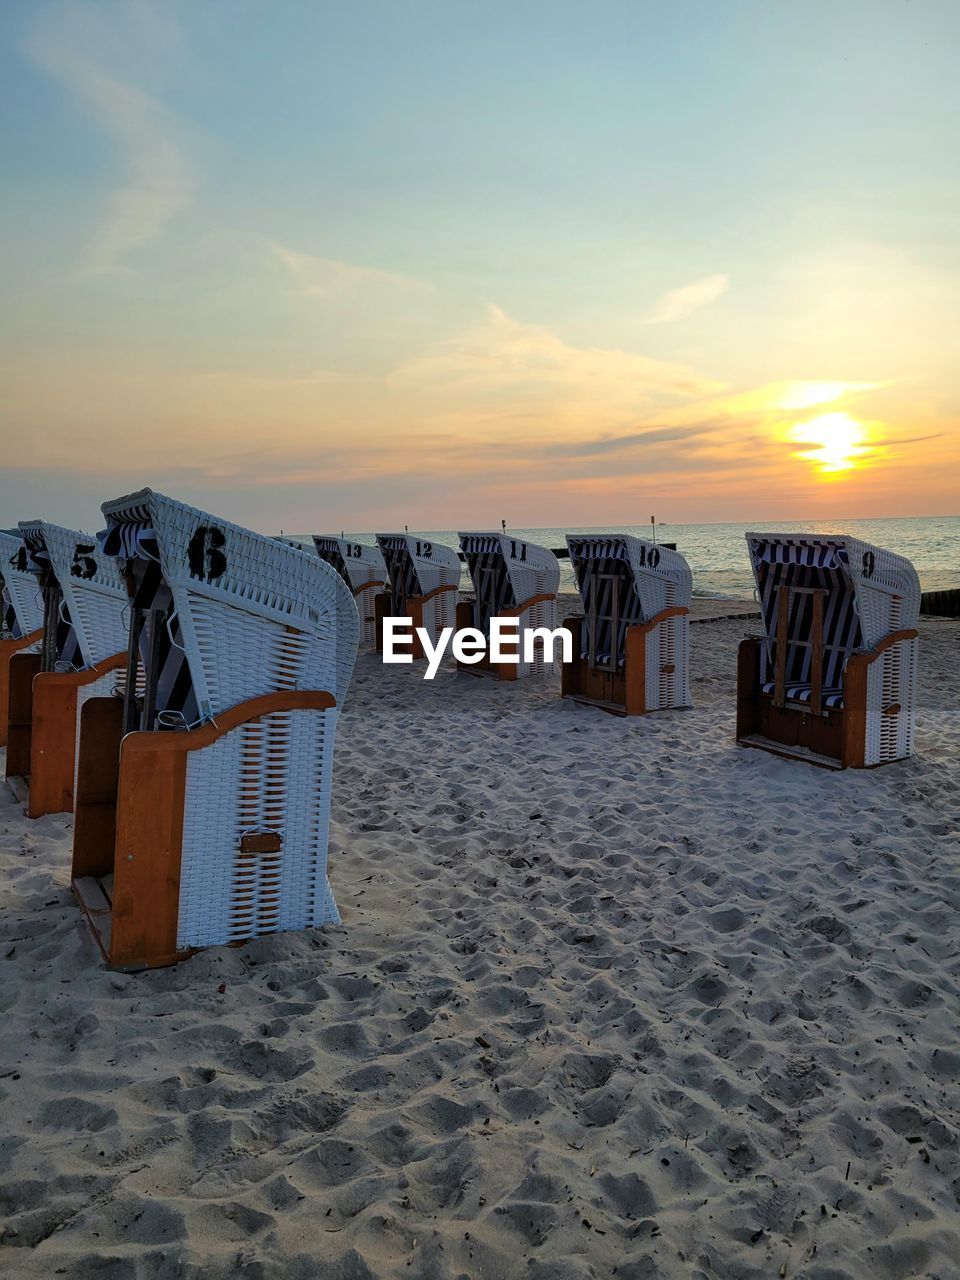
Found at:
<point>129,541</point>
<point>174,700</point>
<point>586,549</point>
<point>832,698</point>
<point>491,580</point>
<point>480,544</point>
<point>812,554</point>
<point>60,647</point>
<point>814,568</point>
<point>9,626</point>
<point>329,552</point>
<point>402,572</point>
<point>615,581</point>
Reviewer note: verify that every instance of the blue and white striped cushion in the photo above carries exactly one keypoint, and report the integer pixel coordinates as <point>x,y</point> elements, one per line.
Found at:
<point>129,541</point>
<point>832,698</point>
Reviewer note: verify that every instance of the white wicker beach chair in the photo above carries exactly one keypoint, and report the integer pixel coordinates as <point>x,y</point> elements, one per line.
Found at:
<point>424,579</point>
<point>631,650</point>
<point>832,679</point>
<point>512,579</point>
<point>364,570</point>
<point>203,803</point>
<point>21,613</point>
<point>80,655</point>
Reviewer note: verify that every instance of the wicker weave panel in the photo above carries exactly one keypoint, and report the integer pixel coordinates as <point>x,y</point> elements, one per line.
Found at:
<point>268,776</point>
<point>20,584</point>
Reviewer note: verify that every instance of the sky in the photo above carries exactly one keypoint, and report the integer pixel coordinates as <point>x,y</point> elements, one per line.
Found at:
<point>320,266</point>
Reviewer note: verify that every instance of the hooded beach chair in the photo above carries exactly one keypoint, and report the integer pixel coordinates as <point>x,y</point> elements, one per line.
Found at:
<point>832,679</point>
<point>631,650</point>
<point>80,655</point>
<point>21,613</point>
<point>362,567</point>
<point>424,578</point>
<point>203,795</point>
<point>512,579</point>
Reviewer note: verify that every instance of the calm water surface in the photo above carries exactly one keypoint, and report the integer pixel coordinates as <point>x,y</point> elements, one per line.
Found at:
<point>717,553</point>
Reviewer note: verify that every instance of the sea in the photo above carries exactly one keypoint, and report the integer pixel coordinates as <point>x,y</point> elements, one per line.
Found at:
<point>717,553</point>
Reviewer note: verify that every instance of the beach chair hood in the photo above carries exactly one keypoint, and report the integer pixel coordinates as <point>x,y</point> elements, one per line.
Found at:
<point>362,567</point>
<point>196,564</point>
<point>417,566</point>
<point>507,570</point>
<point>652,578</point>
<point>358,563</point>
<point>869,591</point>
<point>517,580</point>
<point>22,602</point>
<point>88,594</point>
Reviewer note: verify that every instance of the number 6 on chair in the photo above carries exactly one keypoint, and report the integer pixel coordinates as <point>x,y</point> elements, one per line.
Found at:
<point>203,797</point>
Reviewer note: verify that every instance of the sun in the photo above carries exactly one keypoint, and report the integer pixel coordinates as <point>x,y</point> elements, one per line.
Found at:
<point>834,442</point>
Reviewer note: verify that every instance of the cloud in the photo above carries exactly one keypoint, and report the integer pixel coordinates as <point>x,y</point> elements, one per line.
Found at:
<point>649,438</point>
<point>329,277</point>
<point>680,303</point>
<point>533,365</point>
<point>73,45</point>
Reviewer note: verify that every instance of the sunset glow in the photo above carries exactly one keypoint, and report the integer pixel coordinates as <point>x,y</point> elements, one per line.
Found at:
<point>833,442</point>
<point>400,279</point>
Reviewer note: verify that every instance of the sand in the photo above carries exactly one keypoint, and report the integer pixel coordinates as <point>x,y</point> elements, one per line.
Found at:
<point>610,998</point>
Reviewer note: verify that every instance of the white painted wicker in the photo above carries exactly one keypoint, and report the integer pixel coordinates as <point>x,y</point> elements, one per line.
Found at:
<point>254,616</point>
<point>363,568</point>
<point>419,567</point>
<point>22,601</point>
<point>885,593</point>
<point>506,572</point>
<point>661,580</point>
<point>94,595</point>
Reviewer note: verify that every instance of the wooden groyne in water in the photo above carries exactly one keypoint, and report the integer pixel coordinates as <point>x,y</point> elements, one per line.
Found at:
<point>941,604</point>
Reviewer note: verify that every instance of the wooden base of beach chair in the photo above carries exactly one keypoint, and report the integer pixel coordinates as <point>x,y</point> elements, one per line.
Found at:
<point>128,830</point>
<point>53,735</point>
<point>833,738</point>
<point>7,650</point>
<point>19,788</point>
<point>619,691</point>
<point>790,753</point>
<point>23,667</point>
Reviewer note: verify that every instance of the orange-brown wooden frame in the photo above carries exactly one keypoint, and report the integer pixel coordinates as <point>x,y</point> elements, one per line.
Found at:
<point>147,776</point>
<point>23,668</point>
<point>620,692</point>
<point>7,649</point>
<point>53,739</point>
